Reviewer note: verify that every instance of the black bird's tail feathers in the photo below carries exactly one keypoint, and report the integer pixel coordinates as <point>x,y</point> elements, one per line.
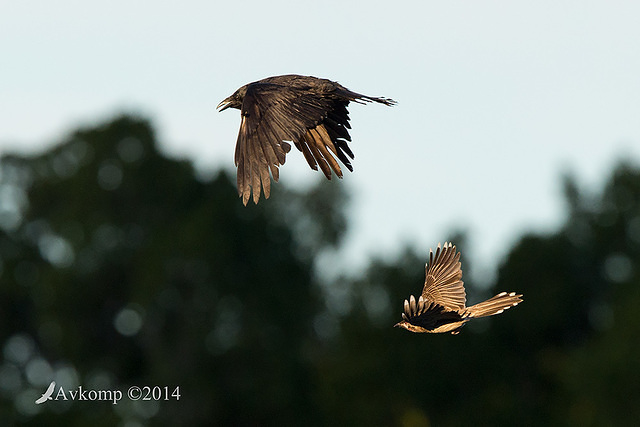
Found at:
<point>363,99</point>
<point>386,101</point>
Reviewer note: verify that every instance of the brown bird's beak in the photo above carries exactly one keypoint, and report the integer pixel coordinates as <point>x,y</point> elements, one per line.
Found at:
<point>224,104</point>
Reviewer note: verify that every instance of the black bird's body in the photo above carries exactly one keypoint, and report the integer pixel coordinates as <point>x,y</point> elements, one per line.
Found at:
<point>441,307</point>
<point>308,111</point>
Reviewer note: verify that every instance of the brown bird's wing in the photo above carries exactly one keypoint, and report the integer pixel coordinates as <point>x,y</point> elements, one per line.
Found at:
<point>443,282</point>
<point>428,314</point>
<point>272,114</point>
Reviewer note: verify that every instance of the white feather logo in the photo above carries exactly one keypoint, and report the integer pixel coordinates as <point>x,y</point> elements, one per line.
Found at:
<point>47,394</point>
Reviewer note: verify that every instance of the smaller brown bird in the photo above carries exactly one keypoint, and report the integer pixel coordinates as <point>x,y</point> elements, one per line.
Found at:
<point>441,307</point>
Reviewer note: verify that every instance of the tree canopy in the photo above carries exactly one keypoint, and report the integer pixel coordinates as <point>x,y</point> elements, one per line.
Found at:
<point>119,266</point>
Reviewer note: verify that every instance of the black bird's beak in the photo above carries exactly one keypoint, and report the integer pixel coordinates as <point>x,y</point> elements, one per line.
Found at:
<point>224,104</point>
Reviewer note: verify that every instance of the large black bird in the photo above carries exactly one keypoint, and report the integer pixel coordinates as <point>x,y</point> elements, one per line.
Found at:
<point>308,111</point>
<point>441,307</point>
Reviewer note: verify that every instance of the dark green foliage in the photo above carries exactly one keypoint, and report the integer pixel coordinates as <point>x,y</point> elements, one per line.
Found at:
<point>225,302</point>
<point>119,267</point>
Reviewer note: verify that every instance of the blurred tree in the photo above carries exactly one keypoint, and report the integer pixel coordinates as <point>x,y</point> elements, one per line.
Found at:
<point>120,267</point>
<point>568,355</point>
<point>600,378</point>
<point>579,361</point>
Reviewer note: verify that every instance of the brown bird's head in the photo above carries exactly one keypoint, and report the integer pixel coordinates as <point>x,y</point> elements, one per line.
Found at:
<point>405,324</point>
<point>234,101</point>
<point>408,326</point>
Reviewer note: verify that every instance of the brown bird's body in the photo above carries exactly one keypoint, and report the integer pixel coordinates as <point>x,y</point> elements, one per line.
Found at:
<point>441,307</point>
<point>308,111</point>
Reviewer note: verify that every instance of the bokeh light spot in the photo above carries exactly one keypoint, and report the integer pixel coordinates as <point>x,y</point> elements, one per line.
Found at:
<point>128,321</point>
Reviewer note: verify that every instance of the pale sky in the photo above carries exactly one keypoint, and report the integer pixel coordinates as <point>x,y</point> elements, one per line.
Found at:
<point>496,98</point>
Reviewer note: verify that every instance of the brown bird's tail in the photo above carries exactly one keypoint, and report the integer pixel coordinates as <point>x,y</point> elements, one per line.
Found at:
<point>495,305</point>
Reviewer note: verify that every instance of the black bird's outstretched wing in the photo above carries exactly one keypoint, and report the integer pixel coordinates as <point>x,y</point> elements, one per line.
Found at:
<point>310,112</point>
<point>271,114</point>
<point>443,282</point>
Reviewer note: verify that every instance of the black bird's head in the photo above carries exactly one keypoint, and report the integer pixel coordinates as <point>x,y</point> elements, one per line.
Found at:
<point>234,101</point>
